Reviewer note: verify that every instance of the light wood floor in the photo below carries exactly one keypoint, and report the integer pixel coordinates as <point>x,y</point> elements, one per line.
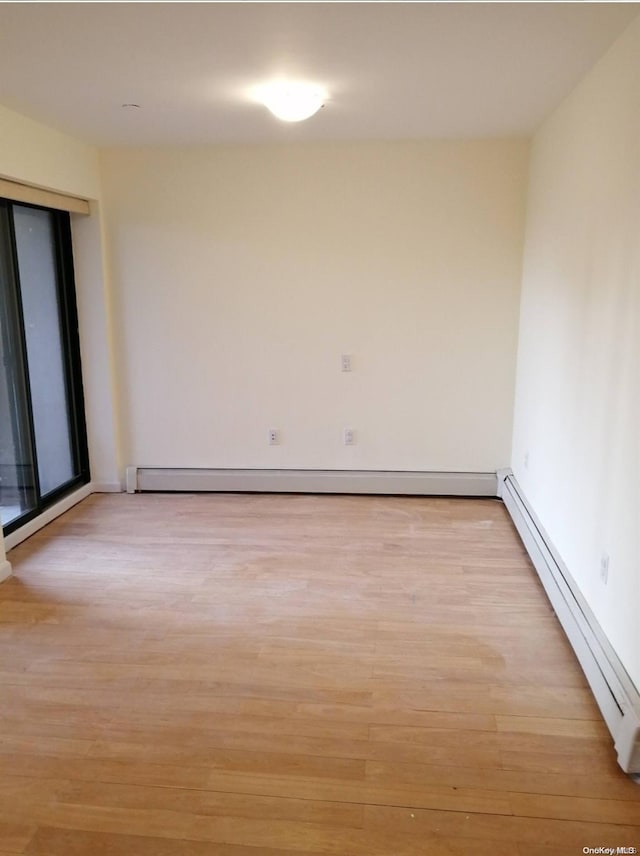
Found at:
<point>269,675</point>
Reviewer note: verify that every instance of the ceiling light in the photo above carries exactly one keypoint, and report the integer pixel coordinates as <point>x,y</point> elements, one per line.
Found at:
<point>291,100</point>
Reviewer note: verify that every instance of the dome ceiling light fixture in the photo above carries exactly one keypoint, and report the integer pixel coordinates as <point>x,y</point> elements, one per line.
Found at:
<point>291,100</point>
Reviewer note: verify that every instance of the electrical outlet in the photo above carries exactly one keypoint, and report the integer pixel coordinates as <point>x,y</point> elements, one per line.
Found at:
<point>274,437</point>
<point>526,460</point>
<point>349,437</point>
<point>346,362</point>
<point>604,568</point>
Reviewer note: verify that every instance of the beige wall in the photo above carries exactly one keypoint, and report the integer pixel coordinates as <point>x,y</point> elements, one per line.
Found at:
<point>241,274</point>
<point>39,155</point>
<point>575,447</point>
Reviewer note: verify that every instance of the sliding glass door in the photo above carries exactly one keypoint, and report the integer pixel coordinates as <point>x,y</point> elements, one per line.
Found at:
<point>43,450</point>
<point>17,484</point>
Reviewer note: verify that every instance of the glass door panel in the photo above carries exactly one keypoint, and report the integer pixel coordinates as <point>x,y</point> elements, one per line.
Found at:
<point>18,488</point>
<point>36,251</point>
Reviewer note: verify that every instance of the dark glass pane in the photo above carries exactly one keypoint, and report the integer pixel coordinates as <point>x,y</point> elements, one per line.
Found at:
<point>17,488</point>
<point>35,244</point>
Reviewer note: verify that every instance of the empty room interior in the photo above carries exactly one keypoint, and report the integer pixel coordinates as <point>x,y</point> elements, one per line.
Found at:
<point>319,429</point>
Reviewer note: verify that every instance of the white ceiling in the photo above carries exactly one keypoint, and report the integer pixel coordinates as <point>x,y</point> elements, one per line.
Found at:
<point>393,70</point>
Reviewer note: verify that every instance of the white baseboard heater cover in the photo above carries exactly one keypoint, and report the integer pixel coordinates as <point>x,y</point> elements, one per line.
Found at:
<point>614,691</point>
<point>312,481</point>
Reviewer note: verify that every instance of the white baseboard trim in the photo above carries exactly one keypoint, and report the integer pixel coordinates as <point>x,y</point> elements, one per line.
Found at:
<point>106,487</point>
<point>311,481</point>
<point>47,516</point>
<point>614,691</point>
<point>5,571</point>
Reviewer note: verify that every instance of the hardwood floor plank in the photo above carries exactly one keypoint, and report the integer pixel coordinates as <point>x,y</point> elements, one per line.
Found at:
<point>214,803</point>
<point>520,699</point>
<point>370,793</point>
<point>50,841</point>
<point>410,776</point>
<point>88,770</point>
<point>577,808</point>
<point>15,836</point>
<point>572,728</point>
<point>521,830</point>
<point>58,842</point>
<point>238,760</point>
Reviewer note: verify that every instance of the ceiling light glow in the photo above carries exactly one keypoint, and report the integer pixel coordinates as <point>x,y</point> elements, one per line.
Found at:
<point>291,100</point>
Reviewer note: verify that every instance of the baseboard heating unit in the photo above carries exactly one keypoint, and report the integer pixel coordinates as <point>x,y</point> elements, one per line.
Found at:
<point>615,693</point>
<point>312,481</point>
